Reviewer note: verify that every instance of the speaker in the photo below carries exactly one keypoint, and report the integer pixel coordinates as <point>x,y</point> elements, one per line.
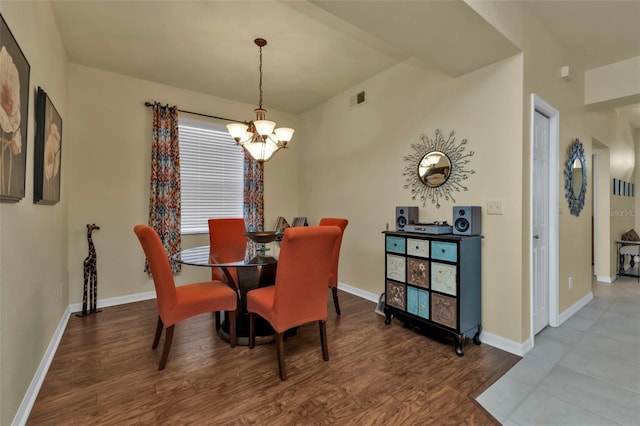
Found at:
<point>405,216</point>
<point>466,220</point>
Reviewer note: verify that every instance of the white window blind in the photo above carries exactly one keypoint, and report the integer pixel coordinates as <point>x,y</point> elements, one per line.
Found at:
<point>211,174</point>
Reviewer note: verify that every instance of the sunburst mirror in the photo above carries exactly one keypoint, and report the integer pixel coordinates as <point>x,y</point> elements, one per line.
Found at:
<point>437,168</point>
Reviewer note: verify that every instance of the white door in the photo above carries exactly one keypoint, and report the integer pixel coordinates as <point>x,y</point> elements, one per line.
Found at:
<point>540,220</point>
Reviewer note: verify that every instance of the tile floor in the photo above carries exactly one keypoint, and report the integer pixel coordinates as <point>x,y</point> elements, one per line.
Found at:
<point>585,372</point>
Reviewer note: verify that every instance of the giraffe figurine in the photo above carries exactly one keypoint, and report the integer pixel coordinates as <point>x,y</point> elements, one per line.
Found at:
<point>90,295</point>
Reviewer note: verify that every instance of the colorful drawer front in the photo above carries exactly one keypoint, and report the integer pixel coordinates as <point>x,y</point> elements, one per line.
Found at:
<point>396,267</point>
<point>396,296</point>
<point>396,244</point>
<point>443,278</point>
<point>419,248</point>
<point>418,272</point>
<point>418,302</point>
<point>443,250</point>
<point>444,310</point>
<point>412,300</point>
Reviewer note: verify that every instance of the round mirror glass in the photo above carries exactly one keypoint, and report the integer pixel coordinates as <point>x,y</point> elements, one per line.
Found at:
<point>434,169</point>
<point>576,181</point>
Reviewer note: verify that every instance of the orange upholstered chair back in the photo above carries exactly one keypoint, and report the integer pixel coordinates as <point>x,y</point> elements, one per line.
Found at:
<point>304,264</point>
<point>160,268</point>
<point>342,224</point>
<point>227,241</point>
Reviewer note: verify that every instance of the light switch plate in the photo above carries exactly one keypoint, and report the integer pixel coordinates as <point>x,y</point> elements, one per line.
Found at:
<point>494,207</point>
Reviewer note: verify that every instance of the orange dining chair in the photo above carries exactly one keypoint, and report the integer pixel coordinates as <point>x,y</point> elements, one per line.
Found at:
<point>228,244</point>
<point>333,278</point>
<point>299,295</point>
<point>178,303</point>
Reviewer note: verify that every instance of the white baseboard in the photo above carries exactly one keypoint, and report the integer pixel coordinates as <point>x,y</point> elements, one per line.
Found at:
<point>372,297</point>
<point>118,300</point>
<point>22,415</point>
<point>605,279</point>
<point>575,308</point>
<point>505,344</point>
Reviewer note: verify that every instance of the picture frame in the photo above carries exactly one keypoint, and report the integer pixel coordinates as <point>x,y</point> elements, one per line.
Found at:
<point>15,70</point>
<point>48,151</point>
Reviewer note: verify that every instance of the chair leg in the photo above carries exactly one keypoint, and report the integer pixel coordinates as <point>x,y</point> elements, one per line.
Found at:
<point>334,291</point>
<point>156,338</point>
<point>232,328</point>
<point>323,340</point>
<point>216,315</point>
<point>252,330</point>
<point>280,351</point>
<point>168,338</point>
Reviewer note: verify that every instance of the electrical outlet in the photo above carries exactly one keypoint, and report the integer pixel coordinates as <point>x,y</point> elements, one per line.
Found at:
<point>494,207</point>
<point>570,283</point>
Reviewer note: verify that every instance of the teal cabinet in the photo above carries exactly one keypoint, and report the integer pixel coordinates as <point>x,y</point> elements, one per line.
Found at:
<point>434,281</point>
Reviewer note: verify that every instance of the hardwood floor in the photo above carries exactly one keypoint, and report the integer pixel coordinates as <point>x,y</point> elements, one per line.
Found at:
<point>105,372</point>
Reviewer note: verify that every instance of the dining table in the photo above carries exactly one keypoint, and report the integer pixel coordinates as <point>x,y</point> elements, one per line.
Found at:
<point>253,271</point>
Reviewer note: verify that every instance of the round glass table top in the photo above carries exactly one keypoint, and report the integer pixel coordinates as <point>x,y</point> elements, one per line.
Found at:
<point>201,256</point>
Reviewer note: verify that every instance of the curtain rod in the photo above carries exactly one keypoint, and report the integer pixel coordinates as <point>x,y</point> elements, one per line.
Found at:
<point>149,104</point>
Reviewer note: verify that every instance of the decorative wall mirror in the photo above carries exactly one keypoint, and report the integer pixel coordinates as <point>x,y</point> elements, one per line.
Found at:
<point>575,177</point>
<point>436,168</point>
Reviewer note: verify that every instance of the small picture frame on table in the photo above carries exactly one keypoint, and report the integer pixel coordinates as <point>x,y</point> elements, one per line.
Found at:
<point>48,151</point>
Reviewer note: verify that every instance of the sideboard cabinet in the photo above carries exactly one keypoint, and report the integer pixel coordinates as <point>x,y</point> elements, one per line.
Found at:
<point>434,281</point>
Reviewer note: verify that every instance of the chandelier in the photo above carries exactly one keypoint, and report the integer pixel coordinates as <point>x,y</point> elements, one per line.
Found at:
<point>258,137</point>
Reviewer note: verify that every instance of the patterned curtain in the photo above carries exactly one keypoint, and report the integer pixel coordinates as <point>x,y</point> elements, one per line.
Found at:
<point>253,198</point>
<point>164,201</point>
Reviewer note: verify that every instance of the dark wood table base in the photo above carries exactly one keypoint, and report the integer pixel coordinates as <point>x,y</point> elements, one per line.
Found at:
<point>264,331</point>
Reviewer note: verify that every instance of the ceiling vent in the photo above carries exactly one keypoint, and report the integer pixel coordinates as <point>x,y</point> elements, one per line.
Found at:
<point>357,99</point>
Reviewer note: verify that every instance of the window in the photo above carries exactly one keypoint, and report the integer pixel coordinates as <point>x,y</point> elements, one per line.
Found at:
<point>211,174</point>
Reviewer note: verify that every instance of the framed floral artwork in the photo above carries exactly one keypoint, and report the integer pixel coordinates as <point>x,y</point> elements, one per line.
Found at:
<point>48,151</point>
<point>14,111</point>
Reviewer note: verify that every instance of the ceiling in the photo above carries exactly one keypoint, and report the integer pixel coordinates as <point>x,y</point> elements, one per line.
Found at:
<point>317,49</point>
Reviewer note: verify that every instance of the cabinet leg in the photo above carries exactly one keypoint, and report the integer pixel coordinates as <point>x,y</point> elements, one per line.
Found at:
<point>387,318</point>
<point>476,337</point>
<point>459,341</point>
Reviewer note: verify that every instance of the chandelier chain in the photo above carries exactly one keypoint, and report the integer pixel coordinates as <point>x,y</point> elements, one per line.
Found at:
<point>260,102</point>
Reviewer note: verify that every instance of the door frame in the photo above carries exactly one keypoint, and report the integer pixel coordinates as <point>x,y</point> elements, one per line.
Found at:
<point>595,197</point>
<point>538,104</point>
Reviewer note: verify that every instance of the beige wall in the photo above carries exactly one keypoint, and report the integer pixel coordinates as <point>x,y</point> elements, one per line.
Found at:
<point>353,162</point>
<point>611,82</point>
<point>33,238</point>
<point>543,59</point>
<point>108,151</point>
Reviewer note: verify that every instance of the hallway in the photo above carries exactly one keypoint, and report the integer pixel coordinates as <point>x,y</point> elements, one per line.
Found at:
<point>585,372</point>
